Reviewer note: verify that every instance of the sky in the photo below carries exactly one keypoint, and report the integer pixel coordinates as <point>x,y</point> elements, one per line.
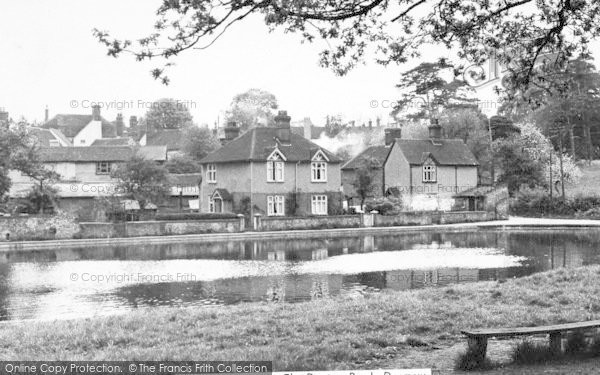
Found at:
<point>49,57</point>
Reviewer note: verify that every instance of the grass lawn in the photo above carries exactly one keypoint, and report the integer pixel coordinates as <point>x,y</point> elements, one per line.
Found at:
<point>589,184</point>
<point>382,330</point>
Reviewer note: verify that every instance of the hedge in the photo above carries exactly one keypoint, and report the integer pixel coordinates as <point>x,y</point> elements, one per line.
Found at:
<point>194,216</point>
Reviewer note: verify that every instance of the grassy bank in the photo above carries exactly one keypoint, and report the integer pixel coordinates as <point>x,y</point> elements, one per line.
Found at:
<point>342,333</point>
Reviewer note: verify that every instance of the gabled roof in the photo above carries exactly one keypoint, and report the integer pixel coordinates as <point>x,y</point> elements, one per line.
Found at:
<point>444,151</point>
<point>258,143</point>
<point>44,136</point>
<point>113,142</point>
<point>223,193</point>
<point>70,125</point>
<point>174,139</point>
<point>99,153</point>
<point>379,153</point>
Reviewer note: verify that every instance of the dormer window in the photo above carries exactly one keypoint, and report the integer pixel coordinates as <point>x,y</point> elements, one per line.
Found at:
<point>276,167</point>
<point>318,167</point>
<point>211,173</point>
<point>429,172</point>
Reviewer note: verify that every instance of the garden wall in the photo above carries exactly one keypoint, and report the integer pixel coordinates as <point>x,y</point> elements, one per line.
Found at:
<point>309,222</point>
<point>160,228</point>
<point>62,225</point>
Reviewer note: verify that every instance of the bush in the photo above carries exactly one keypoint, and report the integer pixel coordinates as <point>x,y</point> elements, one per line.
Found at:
<point>536,202</point>
<point>528,352</point>
<point>385,206</point>
<point>194,216</point>
<point>576,343</point>
<point>468,361</point>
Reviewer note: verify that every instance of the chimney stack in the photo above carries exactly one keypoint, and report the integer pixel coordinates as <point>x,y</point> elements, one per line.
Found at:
<point>120,124</point>
<point>3,116</point>
<point>435,130</point>
<point>232,131</point>
<point>46,113</point>
<point>95,112</point>
<point>282,122</point>
<point>133,122</point>
<point>392,134</point>
<point>307,128</point>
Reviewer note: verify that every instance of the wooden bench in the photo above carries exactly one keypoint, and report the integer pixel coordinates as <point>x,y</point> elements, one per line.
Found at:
<point>477,339</point>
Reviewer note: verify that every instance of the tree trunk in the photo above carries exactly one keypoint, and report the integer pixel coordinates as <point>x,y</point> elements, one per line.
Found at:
<point>571,140</point>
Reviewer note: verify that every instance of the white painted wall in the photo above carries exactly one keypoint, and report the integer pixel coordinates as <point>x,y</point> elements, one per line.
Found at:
<point>88,134</point>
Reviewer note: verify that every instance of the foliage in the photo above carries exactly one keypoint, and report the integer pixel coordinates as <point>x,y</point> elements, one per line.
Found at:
<point>529,352</point>
<point>199,142</point>
<point>385,206</point>
<point>470,361</point>
<point>167,113</point>
<point>245,206</point>
<point>252,108</point>
<point>537,202</point>
<point>142,180</point>
<point>364,181</point>
<point>334,125</point>
<point>194,216</point>
<point>41,199</point>
<point>425,89</point>
<point>182,164</point>
<point>517,168</point>
<point>530,38</point>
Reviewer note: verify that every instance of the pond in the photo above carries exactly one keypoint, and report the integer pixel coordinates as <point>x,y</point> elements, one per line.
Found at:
<point>80,282</point>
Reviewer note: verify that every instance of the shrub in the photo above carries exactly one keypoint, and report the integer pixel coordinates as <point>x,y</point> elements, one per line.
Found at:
<point>194,216</point>
<point>537,202</point>
<point>593,213</point>
<point>528,352</point>
<point>576,343</point>
<point>468,361</point>
<point>385,206</point>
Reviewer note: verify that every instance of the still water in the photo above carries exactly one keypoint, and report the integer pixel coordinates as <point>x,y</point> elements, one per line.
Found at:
<point>78,282</point>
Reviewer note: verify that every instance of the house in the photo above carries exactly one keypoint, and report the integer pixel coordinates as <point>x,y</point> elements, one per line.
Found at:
<point>271,171</point>
<point>425,173</point>
<point>85,174</point>
<point>173,139</point>
<point>49,137</point>
<point>82,130</point>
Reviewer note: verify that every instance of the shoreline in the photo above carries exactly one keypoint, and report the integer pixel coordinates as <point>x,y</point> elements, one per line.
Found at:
<point>511,223</point>
<point>396,329</point>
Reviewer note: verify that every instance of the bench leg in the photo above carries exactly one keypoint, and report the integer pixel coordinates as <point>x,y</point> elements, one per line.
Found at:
<point>478,348</point>
<point>555,342</point>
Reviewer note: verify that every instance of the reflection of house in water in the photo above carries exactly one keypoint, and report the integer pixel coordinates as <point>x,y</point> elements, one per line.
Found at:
<point>410,279</point>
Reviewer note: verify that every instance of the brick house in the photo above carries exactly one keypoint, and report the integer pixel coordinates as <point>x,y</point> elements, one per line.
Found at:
<point>425,173</point>
<point>271,171</point>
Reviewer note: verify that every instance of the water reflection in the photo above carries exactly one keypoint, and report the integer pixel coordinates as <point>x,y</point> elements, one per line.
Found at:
<point>38,284</point>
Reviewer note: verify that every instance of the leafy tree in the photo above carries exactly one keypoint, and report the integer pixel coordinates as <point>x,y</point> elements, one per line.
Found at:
<point>167,113</point>
<point>182,164</point>
<point>199,142</point>
<point>364,182</point>
<point>142,180</point>
<point>252,108</point>
<point>425,87</point>
<point>517,167</point>
<point>519,31</point>
<point>334,125</point>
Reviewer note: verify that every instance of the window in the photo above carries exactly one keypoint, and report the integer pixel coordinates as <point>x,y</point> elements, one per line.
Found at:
<point>82,141</point>
<point>275,171</point>
<point>319,204</point>
<point>211,173</point>
<point>103,167</point>
<point>275,205</point>
<point>318,171</point>
<point>429,174</point>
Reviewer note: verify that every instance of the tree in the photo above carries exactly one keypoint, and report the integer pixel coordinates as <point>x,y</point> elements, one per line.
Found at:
<point>182,164</point>
<point>516,165</point>
<point>199,142</point>
<point>519,31</point>
<point>426,88</point>
<point>364,181</point>
<point>142,180</point>
<point>334,125</point>
<point>168,113</point>
<point>252,108</point>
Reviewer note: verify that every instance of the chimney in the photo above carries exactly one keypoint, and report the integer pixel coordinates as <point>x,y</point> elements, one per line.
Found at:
<point>46,113</point>
<point>282,122</point>
<point>392,134</point>
<point>120,124</point>
<point>232,131</point>
<point>96,112</point>
<point>133,123</point>
<point>435,129</point>
<point>307,128</point>
<point>3,116</point>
